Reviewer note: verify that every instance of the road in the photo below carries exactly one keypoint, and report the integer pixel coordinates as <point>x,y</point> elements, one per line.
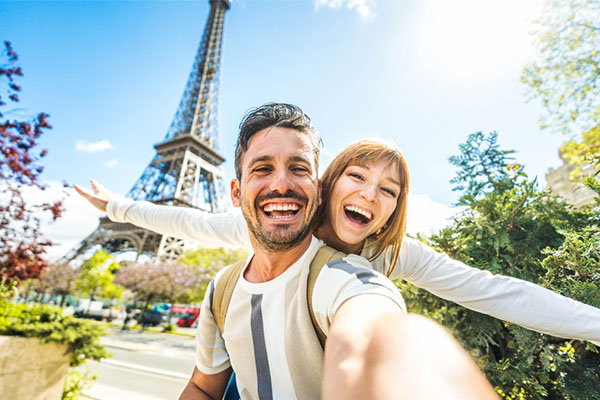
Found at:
<point>144,366</point>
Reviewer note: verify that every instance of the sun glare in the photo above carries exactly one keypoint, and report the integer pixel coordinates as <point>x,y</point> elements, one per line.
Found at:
<point>475,39</point>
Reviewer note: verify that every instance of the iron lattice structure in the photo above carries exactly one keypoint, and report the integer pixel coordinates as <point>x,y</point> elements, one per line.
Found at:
<point>186,170</point>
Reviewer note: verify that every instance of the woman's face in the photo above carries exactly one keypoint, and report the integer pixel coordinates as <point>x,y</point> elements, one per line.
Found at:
<point>362,200</point>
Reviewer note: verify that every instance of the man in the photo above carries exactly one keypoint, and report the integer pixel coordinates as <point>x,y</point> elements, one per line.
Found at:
<point>373,349</point>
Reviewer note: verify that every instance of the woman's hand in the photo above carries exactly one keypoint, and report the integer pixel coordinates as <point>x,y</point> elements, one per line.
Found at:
<point>99,198</point>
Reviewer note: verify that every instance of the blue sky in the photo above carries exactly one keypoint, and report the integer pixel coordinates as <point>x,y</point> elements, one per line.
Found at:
<point>423,73</point>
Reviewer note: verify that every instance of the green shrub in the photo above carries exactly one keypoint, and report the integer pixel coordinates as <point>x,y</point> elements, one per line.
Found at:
<point>49,325</point>
<point>509,227</point>
<point>75,382</point>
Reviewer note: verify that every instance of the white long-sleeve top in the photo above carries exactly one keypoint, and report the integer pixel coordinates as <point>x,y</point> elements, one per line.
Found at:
<point>510,299</point>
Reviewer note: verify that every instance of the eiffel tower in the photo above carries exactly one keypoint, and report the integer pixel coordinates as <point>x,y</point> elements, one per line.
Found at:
<point>186,170</point>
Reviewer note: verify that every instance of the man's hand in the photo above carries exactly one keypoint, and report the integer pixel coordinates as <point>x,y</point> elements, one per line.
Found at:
<point>99,199</point>
<point>374,351</point>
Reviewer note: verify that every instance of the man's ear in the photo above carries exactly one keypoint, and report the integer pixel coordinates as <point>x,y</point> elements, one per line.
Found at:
<point>319,192</point>
<point>235,192</point>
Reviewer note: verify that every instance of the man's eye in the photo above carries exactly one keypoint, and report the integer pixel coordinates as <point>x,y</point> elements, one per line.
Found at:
<point>262,169</point>
<point>300,169</point>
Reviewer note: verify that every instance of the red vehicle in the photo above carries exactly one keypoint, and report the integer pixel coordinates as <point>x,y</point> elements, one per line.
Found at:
<point>185,315</point>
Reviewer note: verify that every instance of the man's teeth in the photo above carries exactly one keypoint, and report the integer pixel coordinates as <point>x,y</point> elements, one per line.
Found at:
<point>362,212</point>
<point>281,207</point>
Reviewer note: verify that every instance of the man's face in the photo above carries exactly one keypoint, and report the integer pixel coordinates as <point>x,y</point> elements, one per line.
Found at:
<point>279,189</point>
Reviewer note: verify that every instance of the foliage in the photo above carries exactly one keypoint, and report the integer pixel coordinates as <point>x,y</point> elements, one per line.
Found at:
<point>511,228</point>
<point>566,78</point>
<point>48,324</point>
<point>96,278</point>
<point>483,167</point>
<point>75,382</point>
<point>22,246</point>
<point>59,280</point>
<point>584,154</point>
<point>566,75</point>
<point>572,269</point>
<point>210,260</point>
<point>160,281</point>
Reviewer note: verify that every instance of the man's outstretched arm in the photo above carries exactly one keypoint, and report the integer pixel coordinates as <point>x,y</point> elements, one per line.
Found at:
<point>375,351</point>
<point>206,387</point>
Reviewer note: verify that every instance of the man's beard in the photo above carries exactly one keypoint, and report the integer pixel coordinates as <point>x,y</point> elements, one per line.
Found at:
<point>282,238</point>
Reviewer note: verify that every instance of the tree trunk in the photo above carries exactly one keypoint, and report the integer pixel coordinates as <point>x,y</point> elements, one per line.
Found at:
<point>146,303</point>
<point>171,311</point>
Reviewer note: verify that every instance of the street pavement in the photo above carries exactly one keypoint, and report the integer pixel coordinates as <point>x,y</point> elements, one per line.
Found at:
<point>144,366</point>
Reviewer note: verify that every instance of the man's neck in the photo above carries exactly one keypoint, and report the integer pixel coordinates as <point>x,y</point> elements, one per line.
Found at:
<point>266,265</point>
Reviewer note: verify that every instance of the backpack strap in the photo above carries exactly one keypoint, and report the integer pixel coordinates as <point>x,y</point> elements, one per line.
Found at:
<point>223,292</point>
<point>224,288</point>
<point>324,255</point>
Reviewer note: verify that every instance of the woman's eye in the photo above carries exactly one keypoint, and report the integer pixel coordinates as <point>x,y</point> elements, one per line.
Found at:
<point>355,175</point>
<point>389,191</point>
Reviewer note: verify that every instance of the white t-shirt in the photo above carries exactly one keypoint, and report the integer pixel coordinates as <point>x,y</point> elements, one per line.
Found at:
<point>269,338</point>
<point>510,299</point>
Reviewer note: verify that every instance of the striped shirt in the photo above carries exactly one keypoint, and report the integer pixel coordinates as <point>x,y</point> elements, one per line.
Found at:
<point>269,338</point>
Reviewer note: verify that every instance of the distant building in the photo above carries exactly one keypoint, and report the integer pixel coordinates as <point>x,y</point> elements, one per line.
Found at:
<point>560,184</point>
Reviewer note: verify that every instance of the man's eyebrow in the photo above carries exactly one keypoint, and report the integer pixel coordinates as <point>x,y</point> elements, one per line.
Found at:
<point>259,159</point>
<point>300,159</point>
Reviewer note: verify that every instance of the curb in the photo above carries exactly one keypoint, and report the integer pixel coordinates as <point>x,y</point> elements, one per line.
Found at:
<point>137,367</point>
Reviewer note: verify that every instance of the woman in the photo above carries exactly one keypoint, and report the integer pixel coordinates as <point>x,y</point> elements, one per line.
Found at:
<point>364,196</point>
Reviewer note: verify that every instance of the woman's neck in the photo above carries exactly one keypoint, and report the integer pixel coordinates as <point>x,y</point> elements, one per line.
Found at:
<point>326,233</point>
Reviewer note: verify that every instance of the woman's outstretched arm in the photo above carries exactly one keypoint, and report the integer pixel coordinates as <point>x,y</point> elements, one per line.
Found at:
<point>220,229</point>
<point>509,299</point>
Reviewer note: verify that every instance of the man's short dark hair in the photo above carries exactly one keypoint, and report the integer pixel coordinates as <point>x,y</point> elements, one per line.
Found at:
<point>274,114</point>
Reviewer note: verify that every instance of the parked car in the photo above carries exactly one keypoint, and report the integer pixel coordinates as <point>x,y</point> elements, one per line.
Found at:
<point>94,310</point>
<point>152,318</point>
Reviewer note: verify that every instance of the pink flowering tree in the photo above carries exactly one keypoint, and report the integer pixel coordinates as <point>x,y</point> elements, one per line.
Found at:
<point>58,280</point>
<point>161,281</point>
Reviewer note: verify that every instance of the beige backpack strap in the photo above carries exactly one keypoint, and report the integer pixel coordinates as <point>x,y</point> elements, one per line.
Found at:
<point>324,255</point>
<point>223,291</point>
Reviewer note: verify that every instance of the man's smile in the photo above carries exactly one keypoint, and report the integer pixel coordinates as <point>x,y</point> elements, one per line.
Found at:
<point>280,210</point>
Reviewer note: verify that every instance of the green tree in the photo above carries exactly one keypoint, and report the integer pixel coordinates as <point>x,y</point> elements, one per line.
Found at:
<point>566,76</point>
<point>209,260</point>
<point>96,278</point>
<point>512,228</point>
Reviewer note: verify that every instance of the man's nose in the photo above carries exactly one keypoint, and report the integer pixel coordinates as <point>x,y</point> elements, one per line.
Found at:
<point>281,182</point>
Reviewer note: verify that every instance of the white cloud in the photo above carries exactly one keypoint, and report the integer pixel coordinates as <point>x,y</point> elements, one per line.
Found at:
<point>364,8</point>
<point>78,219</point>
<point>111,163</point>
<point>426,216</point>
<point>93,147</point>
